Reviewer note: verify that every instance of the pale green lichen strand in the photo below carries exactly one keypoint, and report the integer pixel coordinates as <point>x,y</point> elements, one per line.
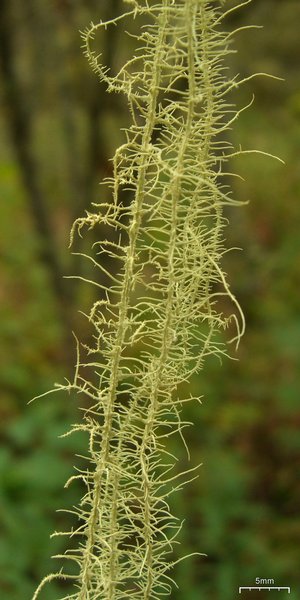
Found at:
<point>160,317</point>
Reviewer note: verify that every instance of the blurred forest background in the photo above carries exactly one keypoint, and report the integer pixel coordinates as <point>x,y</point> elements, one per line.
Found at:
<point>59,129</point>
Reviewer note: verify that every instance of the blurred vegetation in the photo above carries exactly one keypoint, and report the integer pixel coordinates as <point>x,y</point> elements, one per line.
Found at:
<point>59,130</point>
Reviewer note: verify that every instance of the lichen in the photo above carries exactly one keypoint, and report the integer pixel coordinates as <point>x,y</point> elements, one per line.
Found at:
<point>161,315</point>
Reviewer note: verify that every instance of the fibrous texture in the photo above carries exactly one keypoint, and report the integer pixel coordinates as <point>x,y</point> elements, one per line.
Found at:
<point>160,316</point>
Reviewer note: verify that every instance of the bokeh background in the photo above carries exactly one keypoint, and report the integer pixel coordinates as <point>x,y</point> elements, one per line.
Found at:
<point>58,131</point>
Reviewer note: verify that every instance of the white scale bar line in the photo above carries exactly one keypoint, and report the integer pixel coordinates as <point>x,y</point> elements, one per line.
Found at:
<point>265,588</point>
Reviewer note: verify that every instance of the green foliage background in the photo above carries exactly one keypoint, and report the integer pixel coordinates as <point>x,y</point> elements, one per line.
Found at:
<point>243,510</point>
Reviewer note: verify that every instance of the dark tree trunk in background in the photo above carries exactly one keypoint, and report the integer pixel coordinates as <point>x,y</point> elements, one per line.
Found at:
<point>19,123</point>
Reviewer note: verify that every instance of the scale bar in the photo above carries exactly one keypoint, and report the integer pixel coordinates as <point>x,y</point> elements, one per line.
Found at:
<point>259,588</point>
